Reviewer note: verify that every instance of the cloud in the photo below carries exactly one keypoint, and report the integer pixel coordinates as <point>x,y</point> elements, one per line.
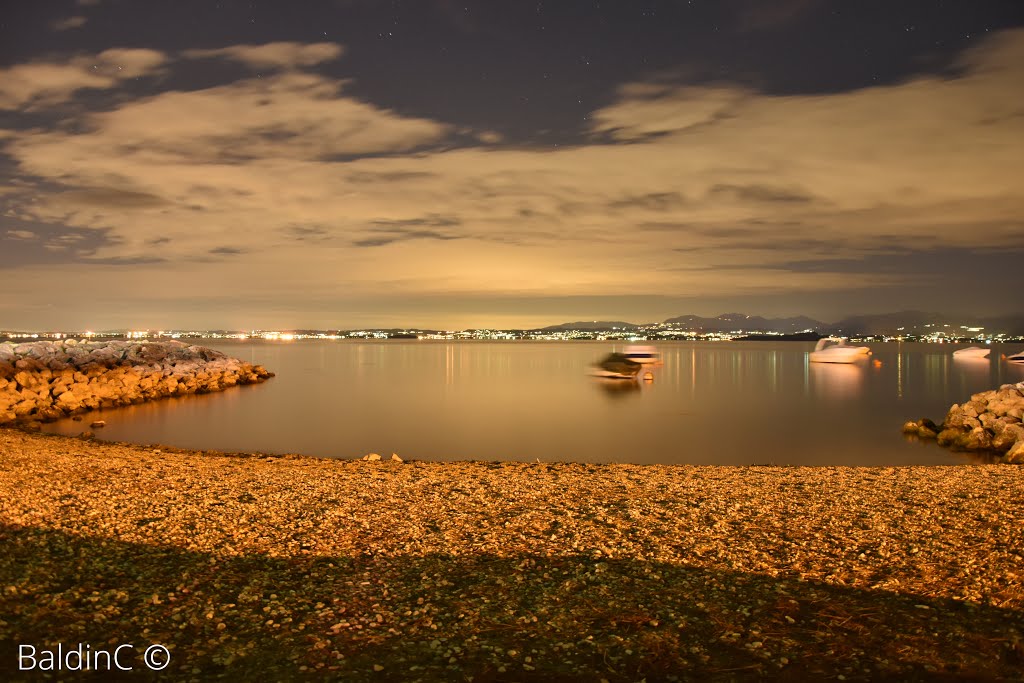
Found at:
<point>392,236</point>
<point>282,55</point>
<point>646,111</point>
<point>21,235</point>
<point>70,23</point>
<point>36,84</point>
<point>385,232</point>
<point>653,201</point>
<point>681,191</point>
<point>287,115</point>
<point>226,251</point>
<point>759,193</point>
<point>105,197</point>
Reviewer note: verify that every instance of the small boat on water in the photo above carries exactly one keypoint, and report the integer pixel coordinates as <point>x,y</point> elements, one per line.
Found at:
<point>645,355</point>
<point>1016,358</point>
<point>836,350</point>
<point>616,366</point>
<point>971,352</point>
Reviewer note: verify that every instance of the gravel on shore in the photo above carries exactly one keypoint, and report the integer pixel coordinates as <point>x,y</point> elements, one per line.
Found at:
<point>288,567</point>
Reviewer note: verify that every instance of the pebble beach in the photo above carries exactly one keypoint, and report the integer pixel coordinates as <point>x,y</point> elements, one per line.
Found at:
<point>256,567</point>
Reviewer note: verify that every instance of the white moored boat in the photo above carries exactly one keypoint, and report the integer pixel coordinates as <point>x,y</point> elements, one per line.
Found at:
<point>1016,358</point>
<point>971,352</point>
<point>836,350</point>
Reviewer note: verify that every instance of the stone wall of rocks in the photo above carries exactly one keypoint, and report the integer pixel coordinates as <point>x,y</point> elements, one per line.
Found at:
<point>990,421</point>
<point>44,381</point>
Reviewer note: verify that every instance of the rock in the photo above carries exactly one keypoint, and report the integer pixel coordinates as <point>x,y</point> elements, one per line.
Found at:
<point>1011,434</point>
<point>955,416</point>
<point>1000,408</point>
<point>371,456</point>
<point>95,424</point>
<point>49,380</point>
<point>989,421</point>
<point>948,437</point>
<point>1016,454</point>
<point>395,458</point>
<point>926,433</point>
<point>910,428</point>
<point>975,440</point>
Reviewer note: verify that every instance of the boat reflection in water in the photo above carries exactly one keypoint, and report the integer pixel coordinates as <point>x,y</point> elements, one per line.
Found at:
<point>837,380</point>
<point>616,388</point>
<point>977,367</point>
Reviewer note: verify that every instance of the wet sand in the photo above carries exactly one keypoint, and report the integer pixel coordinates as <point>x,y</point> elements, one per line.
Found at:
<point>282,567</point>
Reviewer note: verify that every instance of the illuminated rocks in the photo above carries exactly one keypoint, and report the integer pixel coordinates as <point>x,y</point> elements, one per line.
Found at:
<point>44,381</point>
<point>990,421</point>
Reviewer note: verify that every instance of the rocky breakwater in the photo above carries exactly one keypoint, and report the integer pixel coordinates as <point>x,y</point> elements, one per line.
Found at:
<point>990,421</point>
<point>44,381</point>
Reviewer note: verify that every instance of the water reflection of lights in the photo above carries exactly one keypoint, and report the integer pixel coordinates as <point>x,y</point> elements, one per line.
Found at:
<point>899,370</point>
<point>837,380</point>
<point>449,364</point>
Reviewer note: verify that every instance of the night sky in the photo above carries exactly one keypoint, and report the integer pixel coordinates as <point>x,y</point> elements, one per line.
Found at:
<point>467,164</point>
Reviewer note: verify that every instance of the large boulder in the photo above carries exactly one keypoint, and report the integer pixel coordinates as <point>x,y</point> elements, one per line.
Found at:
<point>973,408</point>
<point>1016,454</point>
<point>989,421</point>
<point>949,436</point>
<point>975,440</point>
<point>1010,435</point>
<point>955,417</point>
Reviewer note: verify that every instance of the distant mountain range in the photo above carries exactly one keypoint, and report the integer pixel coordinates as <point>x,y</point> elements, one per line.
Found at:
<point>728,322</point>
<point>905,322</point>
<point>591,325</point>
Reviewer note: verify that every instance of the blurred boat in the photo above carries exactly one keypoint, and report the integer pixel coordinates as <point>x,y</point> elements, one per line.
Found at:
<point>1016,358</point>
<point>836,350</point>
<point>645,355</point>
<point>971,352</point>
<point>616,366</point>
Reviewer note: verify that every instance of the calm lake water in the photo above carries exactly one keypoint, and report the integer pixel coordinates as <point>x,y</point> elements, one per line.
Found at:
<point>735,403</point>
